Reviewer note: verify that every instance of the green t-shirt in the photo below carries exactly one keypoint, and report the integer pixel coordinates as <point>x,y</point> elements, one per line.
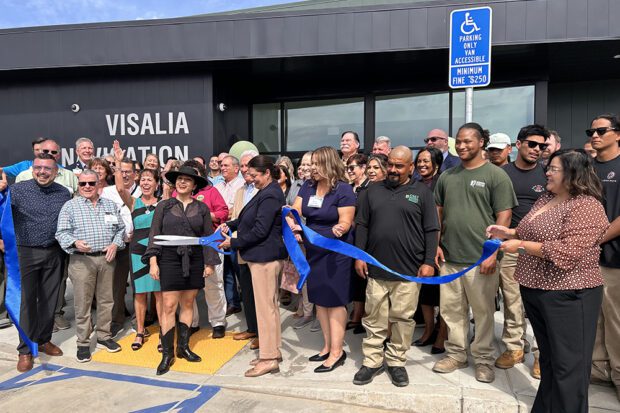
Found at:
<point>470,199</point>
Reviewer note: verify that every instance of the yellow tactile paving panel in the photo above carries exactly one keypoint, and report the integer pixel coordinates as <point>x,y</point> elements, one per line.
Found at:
<point>214,352</point>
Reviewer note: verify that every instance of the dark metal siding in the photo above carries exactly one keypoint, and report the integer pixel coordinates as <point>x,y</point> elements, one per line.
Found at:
<point>316,32</point>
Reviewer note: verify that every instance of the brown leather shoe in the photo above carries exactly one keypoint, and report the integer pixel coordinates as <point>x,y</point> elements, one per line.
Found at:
<point>246,335</point>
<point>25,363</point>
<point>263,367</point>
<point>509,358</point>
<point>50,349</point>
<point>258,360</point>
<point>254,345</point>
<point>536,369</point>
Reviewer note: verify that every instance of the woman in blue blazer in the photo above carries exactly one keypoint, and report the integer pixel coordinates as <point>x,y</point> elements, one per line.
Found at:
<point>259,241</point>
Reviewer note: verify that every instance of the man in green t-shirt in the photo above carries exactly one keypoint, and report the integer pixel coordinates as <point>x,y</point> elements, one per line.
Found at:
<point>470,197</point>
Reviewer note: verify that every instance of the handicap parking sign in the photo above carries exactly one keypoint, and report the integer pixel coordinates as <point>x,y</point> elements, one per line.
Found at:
<point>470,47</point>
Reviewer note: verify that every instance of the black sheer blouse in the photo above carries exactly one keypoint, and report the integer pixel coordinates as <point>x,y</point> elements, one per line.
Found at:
<point>171,219</point>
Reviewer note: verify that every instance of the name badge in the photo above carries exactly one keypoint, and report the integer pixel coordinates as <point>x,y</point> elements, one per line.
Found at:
<point>110,219</point>
<point>315,202</point>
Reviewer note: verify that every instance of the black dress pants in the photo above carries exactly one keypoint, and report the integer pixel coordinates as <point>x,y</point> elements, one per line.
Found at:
<point>564,324</point>
<point>247,296</point>
<point>41,273</point>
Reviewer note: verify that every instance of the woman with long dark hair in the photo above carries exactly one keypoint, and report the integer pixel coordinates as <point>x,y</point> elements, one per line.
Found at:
<point>561,283</point>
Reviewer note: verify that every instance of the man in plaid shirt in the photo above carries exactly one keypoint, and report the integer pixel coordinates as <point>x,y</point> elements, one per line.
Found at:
<point>91,230</point>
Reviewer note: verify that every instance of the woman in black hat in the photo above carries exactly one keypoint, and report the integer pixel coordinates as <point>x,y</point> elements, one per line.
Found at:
<point>180,270</point>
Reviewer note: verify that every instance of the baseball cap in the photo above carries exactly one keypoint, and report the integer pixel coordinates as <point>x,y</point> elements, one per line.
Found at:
<point>498,141</point>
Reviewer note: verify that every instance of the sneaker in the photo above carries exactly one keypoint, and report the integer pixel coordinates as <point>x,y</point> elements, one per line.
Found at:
<point>302,322</point>
<point>115,329</point>
<point>110,345</point>
<point>83,354</point>
<point>536,369</point>
<point>366,374</point>
<point>316,326</point>
<point>509,358</point>
<point>399,376</point>
<point>485,373</point>
<point>60,323</point>
<point>448,365</point>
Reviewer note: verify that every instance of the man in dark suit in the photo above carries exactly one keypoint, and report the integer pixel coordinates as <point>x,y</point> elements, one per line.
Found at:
<point>84,149</point>
<point>438,138</point>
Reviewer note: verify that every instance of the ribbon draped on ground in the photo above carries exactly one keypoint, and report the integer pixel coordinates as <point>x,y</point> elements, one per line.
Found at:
<point>294,250</point>
<point>13,298</point>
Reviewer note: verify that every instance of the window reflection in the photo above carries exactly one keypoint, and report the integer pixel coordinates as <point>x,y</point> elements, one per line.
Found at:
<point>266,127</point>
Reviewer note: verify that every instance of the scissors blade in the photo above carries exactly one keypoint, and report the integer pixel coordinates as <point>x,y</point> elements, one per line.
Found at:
<point>172,240</point>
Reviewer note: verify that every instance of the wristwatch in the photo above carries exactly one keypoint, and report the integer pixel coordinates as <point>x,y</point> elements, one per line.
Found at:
<point>521,249</point>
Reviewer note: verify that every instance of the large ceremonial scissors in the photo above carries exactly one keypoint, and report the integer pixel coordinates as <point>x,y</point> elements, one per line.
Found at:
<point>211,241</point>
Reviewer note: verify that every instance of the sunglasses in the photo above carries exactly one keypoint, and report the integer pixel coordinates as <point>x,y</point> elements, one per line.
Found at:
<point>599,131</point>
<point>433,139</point>
<point>351,168</point>
<point>89,183</point>
<point>532,145</point>
<point>50,152</point>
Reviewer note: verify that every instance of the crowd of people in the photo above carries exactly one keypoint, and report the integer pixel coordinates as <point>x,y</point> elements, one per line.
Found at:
<point>424,213</point>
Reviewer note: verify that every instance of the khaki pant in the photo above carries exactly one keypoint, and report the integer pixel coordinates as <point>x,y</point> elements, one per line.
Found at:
<point>475,290</point>
<point>92,276</point>
<point>606,355</point>
<point>514,317</point>
<point>214,297</point>
<point>265,276</point>
<point>388,302</point>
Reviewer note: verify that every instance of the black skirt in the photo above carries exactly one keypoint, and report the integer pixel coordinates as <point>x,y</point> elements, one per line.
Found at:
<point>171,269</point>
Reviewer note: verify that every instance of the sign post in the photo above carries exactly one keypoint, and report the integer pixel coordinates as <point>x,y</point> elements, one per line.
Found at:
<point>470,52</point>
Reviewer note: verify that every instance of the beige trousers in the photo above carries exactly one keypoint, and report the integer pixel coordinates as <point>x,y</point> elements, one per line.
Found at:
<point>388,303</point>
<point>606,354</point>
<point>92,276</point>
<point>475,290</point>
<point>266,288</point>
<point>514,316</point>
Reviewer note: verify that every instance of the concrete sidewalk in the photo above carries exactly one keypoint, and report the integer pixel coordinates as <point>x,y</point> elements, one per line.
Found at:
<point>295,387</point>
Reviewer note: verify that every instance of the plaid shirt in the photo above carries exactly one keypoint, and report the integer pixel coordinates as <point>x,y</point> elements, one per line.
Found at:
<point>99,225</point>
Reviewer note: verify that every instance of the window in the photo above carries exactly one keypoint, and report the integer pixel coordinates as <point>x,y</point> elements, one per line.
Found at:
<point>266,127</point>
<point>406,119</point>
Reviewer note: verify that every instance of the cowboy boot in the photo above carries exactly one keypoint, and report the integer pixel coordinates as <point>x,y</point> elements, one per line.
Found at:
<point>183,350</point>
<point>167,354</point>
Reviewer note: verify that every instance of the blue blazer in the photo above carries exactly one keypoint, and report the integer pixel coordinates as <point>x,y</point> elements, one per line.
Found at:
<point>259,226</point>
<point>449,162</point>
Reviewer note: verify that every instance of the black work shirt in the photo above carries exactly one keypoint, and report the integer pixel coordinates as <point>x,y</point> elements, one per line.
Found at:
<point>609,173</point>
<point>35,212</point>
<point>529,185</point>
<point>397,226</point>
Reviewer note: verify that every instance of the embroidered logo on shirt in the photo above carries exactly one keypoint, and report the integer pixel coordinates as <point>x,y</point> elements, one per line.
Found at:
<point>477,184</point>
<point>200,198</point>
<point>538,188</point>
<point>611,175</point>
<point>412,198</point>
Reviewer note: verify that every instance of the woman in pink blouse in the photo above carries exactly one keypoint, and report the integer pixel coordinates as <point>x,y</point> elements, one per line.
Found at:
<point>561,283</point>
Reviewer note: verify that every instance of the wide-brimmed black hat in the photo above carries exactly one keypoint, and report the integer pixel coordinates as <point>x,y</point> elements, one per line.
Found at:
<point>201,182</point>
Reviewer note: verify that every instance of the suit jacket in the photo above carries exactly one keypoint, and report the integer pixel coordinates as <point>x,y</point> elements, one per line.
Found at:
<point>236,210</point>
<point>449,162</point>
<point>259,226</point>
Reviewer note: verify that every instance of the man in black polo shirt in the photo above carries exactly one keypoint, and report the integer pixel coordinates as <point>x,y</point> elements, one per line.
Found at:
<point>36,204</point>
<point>528,180</point>
<point>397,224</point>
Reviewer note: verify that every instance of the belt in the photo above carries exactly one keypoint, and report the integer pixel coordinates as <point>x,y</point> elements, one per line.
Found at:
<point>91,254</point>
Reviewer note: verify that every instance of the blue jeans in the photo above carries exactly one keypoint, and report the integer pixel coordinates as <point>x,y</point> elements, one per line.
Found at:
<point>231,269</point>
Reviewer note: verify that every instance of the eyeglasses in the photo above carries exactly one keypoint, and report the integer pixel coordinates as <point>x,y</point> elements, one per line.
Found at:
<point>433,139</point>
<point>351,168</point>
<point>533,144</point>
<point>89,183</point>
<point>126,172</point>
<point>50,152</point>
<point>42,168</point>
<point>599,131</point>
<point>553,170</point>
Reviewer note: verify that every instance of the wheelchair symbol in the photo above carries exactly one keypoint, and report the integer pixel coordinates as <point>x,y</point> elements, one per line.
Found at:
<point>470,24</point>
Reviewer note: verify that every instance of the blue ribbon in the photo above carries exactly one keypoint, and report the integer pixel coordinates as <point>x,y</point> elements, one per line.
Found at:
<point>13,297</point>
<point>213,241</point>
<point>297,257</point>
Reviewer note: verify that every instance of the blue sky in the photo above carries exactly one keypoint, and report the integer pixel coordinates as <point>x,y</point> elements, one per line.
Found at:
<point>25,13</point>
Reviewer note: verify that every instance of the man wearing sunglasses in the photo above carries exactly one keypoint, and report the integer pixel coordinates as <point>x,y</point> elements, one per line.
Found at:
<point>605,139</point>
<point>36,204</point>
<point>438,138</point>
<point>528,180</point>
<point>91,230</point>
<point>63,177</point>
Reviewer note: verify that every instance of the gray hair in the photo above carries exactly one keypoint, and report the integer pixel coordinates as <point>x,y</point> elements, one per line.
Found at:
<point>81,141</point>
<point>233,159</point>
<point>556,135</point>
<point>86,172</point>
<point>249,152</point>
<point>383,139</point>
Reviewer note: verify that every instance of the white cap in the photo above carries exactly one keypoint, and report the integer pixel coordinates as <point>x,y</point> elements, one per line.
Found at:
<point>499,141</point>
